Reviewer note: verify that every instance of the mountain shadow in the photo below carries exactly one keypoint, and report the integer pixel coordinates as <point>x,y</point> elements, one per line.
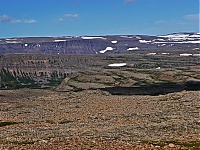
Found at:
<point>154,89</point>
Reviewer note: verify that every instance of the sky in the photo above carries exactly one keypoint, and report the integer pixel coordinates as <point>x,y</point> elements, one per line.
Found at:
<point>25,18</point>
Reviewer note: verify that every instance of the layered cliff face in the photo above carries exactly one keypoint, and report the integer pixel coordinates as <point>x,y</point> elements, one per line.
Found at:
<point>134,81</point>
<point>100,44</point>
<point>37,70</point>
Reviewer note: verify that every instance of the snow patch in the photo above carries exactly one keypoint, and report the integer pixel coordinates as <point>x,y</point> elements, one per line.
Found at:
<point>107,49</point>
<point>196,54</point>
<point>11,39</point>
<point>176,36</point>
<point>132,48</point>
<point>12,42</point>
<point>183,42</point>
<point>59,40</point>
<point>144,41</point>
<point>137,37</point>
<point>182,37</point>
<point>192,42</point>
<point>162,45</point>
<point>158,40</point>
<point>114,42</point>
<point>151,54</point>
<point>195,36</point>
<point>129,37</point>
<point>117,65</point>
<point>165,53</point>
<point>185,54</point>
<point>92,37</point>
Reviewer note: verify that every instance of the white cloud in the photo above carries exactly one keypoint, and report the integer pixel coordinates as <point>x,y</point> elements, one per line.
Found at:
<point>186,20</point>
<point>192,17</point>
<point>61,19</point>
<point>8,19</point>
<point>5,18</point>
<point>29,21</point>
<point>71,15</point>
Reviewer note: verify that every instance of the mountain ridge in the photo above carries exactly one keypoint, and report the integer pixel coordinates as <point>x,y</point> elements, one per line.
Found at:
<point>111,44</point>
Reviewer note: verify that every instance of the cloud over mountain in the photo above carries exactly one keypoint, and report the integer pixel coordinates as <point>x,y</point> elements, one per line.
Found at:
<point>8,19</point>
<point>192,17</point>
<point>71,15</point>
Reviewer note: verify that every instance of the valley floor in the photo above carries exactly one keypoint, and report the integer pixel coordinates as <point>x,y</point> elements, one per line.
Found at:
<point>95,119</point>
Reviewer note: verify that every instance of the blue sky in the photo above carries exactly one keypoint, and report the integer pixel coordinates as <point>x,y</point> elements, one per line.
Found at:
<point>19,18</point>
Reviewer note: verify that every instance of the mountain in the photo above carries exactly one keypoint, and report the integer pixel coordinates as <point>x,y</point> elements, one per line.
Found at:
<point>100,44</point>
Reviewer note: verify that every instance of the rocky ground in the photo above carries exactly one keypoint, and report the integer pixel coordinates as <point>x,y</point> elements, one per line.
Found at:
<point>95,119</point>
<point>156,103</point>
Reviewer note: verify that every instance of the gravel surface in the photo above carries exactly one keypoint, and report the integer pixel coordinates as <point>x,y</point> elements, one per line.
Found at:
<point>94,119</point>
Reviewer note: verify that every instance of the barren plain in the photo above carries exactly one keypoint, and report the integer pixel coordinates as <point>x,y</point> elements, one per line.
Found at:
<point>151,103</point>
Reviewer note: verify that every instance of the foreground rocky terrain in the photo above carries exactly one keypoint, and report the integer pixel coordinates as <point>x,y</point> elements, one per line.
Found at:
<point>110,108</point>
<point>95,119</point>
<point>139,100</point>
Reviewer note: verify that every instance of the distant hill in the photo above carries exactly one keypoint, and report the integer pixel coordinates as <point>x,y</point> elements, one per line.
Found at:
<point>100,44</point>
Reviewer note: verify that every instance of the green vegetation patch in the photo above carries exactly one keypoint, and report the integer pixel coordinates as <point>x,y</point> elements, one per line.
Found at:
<point>65,121</point>
<point>7,123</point>
<point>192,144</point>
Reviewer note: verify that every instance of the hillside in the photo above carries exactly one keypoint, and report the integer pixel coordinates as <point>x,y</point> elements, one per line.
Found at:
<point>110,92</point>
<point>100,44</point>
<point>40,71</point>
